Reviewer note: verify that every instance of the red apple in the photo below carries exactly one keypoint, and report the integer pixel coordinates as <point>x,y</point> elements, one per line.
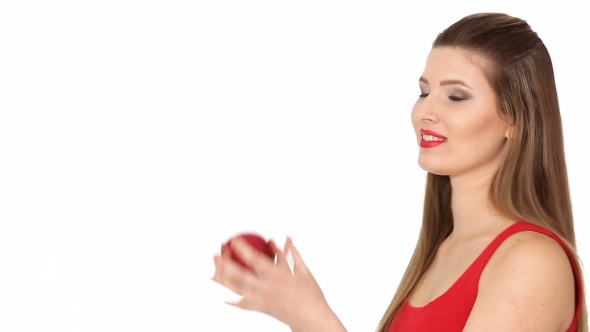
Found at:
<point>255,241</point>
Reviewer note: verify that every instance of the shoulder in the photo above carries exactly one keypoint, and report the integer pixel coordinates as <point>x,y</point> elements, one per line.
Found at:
<point>527,285</point>
<point>531,253</point>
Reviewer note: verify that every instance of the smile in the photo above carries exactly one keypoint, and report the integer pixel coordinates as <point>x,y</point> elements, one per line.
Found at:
<point>431,139</point>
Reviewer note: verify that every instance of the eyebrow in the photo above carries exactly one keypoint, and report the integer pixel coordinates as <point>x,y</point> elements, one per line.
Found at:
<point>448,82</point>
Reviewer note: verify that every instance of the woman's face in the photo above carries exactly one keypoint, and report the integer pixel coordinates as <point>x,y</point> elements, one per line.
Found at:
<point>458,104</point>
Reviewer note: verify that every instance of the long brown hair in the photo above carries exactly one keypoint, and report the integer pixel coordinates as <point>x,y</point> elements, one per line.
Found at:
<point>532,183</point>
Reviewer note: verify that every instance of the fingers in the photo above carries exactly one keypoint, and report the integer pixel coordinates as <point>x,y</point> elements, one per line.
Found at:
<point>251,282</point>
<point>247,304</point>
<point>251,257</point>
<point>242,304</point>
<point>289,255</point>
<point>233,276</point>
<point>274,248</point>
<point>281,259</point>
<point>298,263</point>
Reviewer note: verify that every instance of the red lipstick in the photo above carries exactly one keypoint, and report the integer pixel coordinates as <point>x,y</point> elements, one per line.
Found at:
<point>431,144</point>
<point>431,133</point>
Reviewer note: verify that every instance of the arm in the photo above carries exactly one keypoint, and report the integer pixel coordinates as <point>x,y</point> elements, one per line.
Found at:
<point>325,321</point>
<point>529,286</point>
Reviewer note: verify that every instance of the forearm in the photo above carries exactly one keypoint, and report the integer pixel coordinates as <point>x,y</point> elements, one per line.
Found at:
<point>327,321</point>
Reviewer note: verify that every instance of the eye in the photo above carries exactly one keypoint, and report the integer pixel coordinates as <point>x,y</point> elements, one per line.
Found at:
<point>457,98</point>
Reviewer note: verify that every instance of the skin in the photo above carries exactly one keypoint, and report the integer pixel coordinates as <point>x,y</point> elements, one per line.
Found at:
<point>293,298</point>
<point>477,136</point>
<point>529,269</point>
<point>527,285</point>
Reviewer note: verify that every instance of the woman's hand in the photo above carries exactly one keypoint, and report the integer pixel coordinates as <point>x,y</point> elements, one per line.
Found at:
<point>293,298</point>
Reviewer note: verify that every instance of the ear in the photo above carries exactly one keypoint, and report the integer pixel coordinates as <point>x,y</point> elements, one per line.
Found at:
<point>511,132</point>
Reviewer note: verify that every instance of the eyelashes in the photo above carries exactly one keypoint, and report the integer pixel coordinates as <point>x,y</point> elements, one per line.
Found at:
<point>457,98</point>
<point>453,98</point>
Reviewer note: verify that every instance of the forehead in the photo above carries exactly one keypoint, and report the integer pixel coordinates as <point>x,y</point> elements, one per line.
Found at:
<point>446,63</point>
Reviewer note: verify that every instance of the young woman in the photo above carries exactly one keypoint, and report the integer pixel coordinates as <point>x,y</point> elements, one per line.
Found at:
<point>497,249</point>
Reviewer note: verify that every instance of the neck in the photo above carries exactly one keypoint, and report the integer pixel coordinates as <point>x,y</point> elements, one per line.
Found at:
<point>473,212</point>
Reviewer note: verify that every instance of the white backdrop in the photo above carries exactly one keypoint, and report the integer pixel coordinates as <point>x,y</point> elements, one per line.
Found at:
<point>137,136</point>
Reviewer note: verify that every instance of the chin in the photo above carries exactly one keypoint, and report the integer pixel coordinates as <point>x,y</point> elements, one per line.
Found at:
<point>434,169</point>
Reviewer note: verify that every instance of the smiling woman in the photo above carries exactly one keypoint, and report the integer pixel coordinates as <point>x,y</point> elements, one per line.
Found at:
<point>463,111</point>
<point>497,249</point>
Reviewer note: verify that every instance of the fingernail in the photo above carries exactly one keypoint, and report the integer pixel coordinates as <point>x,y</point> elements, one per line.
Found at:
<point>289,254</point>
<point>290,261</point>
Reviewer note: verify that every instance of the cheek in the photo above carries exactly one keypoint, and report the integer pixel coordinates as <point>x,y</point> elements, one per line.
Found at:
<point>479,136</point>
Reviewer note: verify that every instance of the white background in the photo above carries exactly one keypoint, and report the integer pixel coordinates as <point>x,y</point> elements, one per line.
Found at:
<point>137,136</point>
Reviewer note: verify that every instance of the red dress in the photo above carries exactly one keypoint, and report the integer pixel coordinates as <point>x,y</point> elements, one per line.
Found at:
<point>449,312</point>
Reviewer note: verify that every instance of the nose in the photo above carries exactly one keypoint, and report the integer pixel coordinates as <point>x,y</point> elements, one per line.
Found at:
<point>425,110</point>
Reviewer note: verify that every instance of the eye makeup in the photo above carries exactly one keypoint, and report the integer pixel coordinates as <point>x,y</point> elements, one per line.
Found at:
<point>458,95</point>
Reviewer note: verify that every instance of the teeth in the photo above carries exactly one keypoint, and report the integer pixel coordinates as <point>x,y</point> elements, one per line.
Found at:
<point>430,138</point>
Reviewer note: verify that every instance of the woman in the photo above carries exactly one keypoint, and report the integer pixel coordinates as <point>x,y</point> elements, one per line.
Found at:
<point>497,249</point>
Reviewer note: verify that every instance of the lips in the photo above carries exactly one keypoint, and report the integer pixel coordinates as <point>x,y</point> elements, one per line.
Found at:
<point>431,139</point>
<point>431,133</point>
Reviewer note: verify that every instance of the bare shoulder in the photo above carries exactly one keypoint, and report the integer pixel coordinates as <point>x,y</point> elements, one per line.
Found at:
<point>534,250</point>
<point>528,285</point>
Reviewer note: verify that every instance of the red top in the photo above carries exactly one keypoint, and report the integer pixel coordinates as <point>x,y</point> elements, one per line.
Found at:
<point>449,312</point>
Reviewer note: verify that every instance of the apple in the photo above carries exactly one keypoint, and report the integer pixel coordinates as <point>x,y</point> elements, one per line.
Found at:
<point>256,241</point>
